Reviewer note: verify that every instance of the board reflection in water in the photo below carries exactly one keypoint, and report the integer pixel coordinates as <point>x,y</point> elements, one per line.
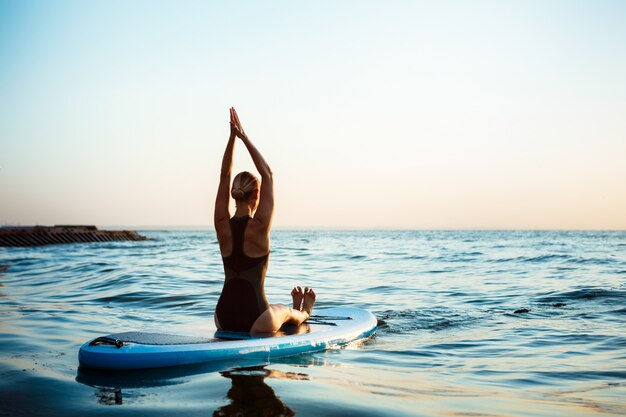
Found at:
<point>249,393</point>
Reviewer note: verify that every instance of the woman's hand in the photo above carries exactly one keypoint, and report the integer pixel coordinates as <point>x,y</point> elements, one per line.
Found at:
<point>235,125</point>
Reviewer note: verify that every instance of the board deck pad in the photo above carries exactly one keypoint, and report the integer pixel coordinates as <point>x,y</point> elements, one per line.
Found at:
<point>146,338</point>
<point>141,350</point>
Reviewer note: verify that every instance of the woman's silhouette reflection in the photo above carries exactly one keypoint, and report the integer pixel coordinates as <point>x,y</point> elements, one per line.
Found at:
<point>251,396</point>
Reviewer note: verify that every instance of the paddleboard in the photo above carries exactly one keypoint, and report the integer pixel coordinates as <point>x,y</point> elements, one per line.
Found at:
<point>142,350</point>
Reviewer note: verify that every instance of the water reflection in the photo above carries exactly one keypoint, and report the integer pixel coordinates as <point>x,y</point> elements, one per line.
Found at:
<point>109,396</point>
<point>249,393</point>
<point>251,396</point>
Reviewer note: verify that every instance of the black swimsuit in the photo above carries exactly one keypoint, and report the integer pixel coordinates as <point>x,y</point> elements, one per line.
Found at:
<point>243,297</point>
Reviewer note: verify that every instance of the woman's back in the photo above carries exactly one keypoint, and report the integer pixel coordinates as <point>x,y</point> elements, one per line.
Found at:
<point>256,240</point>
<point>243,296</point>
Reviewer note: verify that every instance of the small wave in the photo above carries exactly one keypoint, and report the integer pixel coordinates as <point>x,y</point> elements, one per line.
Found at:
<point>502,260</point>
<point>403,352</point>
<point>454,346</point>
<point>392,253</point>
<point>439,271</point>
<point>113,281</point>
<point>561,298</point>
<point>581,376</point>
<point>458,257</point>
<point>593,261</point>
<point>291,248</point>
<point>532,259</point>
<point>380,288</point>
<point>150,299</point>
<point>402,321</point>
<point>414,257</point>
<point>109,270</point>
<point>612,343</point>
<point>22,262</point>
<point>25,259</point>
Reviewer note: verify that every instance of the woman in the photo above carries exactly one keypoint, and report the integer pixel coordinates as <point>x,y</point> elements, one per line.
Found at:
<point>244,243</point>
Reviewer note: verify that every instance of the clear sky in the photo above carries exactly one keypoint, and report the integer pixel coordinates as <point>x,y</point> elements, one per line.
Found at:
<point>387,114</point>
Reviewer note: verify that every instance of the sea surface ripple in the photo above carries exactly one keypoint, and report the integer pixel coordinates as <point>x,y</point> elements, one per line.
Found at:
<point>489,323</point>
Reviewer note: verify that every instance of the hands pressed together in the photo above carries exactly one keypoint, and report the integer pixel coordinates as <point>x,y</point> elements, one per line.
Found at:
<point>236,130</point>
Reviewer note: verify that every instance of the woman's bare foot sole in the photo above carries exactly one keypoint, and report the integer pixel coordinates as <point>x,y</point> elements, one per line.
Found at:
<point>297,295</point>
<point>309,300</point>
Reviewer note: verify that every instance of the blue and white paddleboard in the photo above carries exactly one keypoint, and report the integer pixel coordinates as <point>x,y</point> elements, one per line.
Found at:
<point>139,350</point>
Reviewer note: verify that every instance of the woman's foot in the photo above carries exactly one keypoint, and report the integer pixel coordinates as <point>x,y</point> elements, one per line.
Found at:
<point>309,300</point>
<point>298,295</point>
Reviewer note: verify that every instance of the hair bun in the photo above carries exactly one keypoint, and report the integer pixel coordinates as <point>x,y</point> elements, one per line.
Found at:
<point>237,193</point>
<point>243,186</point>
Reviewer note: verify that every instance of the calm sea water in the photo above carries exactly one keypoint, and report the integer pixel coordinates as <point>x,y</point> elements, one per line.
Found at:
<point>470,324</point>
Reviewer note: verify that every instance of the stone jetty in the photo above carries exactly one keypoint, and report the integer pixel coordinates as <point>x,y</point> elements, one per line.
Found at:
<point>48,235</point>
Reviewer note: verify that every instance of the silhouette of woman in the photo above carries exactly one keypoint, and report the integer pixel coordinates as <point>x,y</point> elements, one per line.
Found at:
<point>244,241</point>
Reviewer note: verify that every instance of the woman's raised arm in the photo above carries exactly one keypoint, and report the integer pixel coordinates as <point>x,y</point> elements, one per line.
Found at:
<point>222,201</point>
<point>265,211</point>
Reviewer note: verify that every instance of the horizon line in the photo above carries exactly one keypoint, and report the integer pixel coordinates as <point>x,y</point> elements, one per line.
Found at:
<point>327,228</point>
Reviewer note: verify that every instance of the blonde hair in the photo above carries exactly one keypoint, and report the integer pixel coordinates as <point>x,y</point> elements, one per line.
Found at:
<point>244,185</point>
